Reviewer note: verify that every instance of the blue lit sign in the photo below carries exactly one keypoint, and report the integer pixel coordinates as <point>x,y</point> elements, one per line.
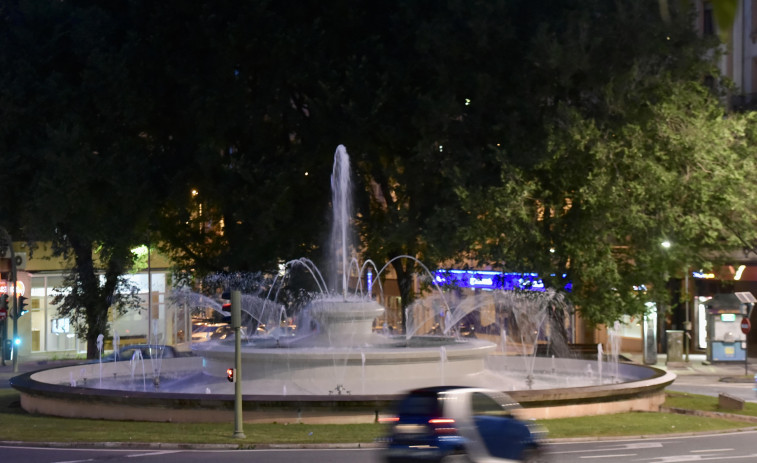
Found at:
<point>489,280</point>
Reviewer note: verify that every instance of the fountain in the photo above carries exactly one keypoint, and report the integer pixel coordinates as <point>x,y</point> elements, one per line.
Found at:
<point>334,367</point>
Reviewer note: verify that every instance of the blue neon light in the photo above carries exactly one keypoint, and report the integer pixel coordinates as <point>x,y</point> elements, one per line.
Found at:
<point>489,280</point>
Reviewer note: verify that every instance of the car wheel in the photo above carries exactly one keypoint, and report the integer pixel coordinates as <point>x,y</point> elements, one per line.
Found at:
<point>534,455</point>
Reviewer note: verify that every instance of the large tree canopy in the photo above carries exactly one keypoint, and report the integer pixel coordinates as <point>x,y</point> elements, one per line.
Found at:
<point>558,137</point>
<point>639,152</point>
<point>77,172</point>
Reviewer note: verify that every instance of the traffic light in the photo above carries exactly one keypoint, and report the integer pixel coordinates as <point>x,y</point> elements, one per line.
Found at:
<point>3,301</point>
<point>21,304</point>
<point>231,375</point>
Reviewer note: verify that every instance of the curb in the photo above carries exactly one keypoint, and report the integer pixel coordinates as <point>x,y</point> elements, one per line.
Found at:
<point>185,446</point>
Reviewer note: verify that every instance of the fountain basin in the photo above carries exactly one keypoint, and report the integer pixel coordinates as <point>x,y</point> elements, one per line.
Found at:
<point>49,392</point>
<point>375,369</point>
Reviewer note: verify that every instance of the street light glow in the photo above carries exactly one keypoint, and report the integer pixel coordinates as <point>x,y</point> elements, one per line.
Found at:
<point>665,244</point>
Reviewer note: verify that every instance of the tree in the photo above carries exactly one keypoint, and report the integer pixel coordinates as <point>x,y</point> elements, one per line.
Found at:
<point>69,131</point>
<point>638,155</point>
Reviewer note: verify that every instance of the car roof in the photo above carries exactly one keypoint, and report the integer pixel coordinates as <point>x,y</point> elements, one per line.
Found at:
<point>143,346</point>
<point>440,389</point>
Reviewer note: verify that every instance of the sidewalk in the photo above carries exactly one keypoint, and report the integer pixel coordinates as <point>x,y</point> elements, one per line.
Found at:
<point>697,365</point>
<point>697,376</point>
<point>6,371</point>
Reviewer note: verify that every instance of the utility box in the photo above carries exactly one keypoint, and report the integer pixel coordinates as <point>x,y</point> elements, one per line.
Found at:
<point>726,342</point>
<point>675,345</point>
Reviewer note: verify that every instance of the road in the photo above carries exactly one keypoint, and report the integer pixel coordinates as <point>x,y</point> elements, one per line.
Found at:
<point>67,455</point>
<point>730,447</point>
<point>706,386</point>
<point>739,447</point>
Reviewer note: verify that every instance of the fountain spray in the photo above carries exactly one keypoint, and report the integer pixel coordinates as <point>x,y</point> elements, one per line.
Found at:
<point>340,187</point>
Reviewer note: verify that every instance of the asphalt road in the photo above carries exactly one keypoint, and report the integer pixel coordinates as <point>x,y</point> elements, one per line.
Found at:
<point>738,447</point>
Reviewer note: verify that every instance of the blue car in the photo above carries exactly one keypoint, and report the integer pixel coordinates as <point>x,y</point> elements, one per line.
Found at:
<point>449,423</point>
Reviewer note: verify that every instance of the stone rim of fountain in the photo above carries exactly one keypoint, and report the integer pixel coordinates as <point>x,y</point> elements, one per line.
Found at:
<point>40,395</point>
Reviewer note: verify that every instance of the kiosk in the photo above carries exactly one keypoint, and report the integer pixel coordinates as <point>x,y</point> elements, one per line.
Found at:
<point>726,341</point>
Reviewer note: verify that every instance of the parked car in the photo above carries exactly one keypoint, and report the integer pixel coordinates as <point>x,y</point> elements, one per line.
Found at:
<point>449,423</point>
<point>147,350</point>
<point>223,332</point>
<point>202,333</point>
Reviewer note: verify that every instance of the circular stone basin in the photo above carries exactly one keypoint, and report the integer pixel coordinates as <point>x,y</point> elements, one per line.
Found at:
<point>314,370</point>
<point>52,391</point>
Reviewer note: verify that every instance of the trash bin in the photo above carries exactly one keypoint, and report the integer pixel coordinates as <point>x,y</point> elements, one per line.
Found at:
<point>675,345</point>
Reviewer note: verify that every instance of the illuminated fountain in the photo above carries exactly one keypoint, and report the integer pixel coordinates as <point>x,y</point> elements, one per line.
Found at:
<point>334,367</point>
<point>334,349</point>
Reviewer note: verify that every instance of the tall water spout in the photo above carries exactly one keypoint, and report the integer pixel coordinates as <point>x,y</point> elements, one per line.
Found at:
<point>340,191</point>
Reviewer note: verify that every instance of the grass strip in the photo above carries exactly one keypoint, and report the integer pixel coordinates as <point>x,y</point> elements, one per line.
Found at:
<point>635,424</point>
<point>17,425</point>
<point>675,399</point>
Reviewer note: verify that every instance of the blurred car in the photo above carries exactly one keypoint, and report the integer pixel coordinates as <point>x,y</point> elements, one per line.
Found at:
<point>449,423</point>
<point>223,332</point>
<point>146,350</point>
<point>202,333</point>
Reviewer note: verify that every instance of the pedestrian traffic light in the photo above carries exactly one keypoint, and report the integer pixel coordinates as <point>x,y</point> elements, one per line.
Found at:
<point>231,375</point>
<point>21,305</point>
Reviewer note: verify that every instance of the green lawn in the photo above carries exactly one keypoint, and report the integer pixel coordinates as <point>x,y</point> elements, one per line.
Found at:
<point>17,425</point>
<point>704,403</point>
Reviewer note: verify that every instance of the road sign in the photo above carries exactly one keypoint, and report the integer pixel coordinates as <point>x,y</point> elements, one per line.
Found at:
<point>746,325</point>
<point>3,314</point>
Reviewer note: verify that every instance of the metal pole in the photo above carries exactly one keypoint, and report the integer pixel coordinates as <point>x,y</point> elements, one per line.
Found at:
<point>14,348</point>
<point>7,293</point>
<point>749,307</point>
<point>687,323</point>
<point>236,323</point>
<point>149,299</point>
<point>14,313</point>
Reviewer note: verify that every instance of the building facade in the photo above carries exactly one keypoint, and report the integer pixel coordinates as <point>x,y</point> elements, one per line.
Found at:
<point>43,333</point>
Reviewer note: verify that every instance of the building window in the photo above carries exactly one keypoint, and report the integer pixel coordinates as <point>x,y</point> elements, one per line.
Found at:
<point>708,20</point>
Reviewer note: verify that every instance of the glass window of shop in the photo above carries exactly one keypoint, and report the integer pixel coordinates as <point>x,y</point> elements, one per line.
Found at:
<point>49,331</point>
<point>151,319</point>
<point>629,327</point>
<point>52,333</point>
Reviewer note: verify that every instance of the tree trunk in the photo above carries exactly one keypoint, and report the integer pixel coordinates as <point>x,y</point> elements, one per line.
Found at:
<point>89,294</point>
<point>405,282</point>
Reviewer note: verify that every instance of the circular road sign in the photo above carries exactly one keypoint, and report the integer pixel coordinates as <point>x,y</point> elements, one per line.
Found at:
<point>746,325</point>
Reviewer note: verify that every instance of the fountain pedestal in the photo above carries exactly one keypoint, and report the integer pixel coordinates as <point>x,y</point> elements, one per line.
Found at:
<point>344,323</point>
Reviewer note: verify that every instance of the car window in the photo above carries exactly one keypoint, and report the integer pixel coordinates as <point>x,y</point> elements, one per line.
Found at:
<point>482,404</point>
<point>165,352</point>
<point>419,404</point>
<point>126,354</point>
<point>157,352</point>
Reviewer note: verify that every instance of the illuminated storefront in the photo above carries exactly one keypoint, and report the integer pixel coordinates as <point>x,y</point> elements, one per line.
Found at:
<point>48,332</point>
